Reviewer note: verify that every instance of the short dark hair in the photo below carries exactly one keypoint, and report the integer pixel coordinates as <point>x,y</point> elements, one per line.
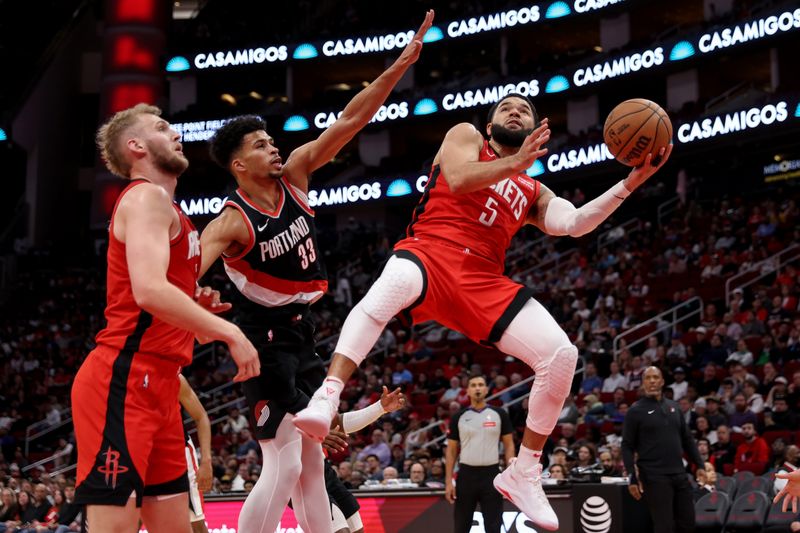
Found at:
<point>229,137</point>
<point>492,109</point>
<point>478,376</point>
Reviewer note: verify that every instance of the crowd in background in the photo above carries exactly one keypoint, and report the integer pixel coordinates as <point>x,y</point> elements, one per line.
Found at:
<point>733,368</point>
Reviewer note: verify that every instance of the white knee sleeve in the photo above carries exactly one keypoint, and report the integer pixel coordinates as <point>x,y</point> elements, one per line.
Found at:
<point>399,285</point>
<point>550,388</point>
<point>560,372</point>
<point>536,338</point>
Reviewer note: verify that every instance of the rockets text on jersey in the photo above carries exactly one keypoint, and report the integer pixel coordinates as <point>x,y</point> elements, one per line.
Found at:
<point>482,221</point>
<point>281,264</point>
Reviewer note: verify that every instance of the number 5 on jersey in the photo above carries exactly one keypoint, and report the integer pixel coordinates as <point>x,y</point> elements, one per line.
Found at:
<point>307,253</point>
<point>489,212</point>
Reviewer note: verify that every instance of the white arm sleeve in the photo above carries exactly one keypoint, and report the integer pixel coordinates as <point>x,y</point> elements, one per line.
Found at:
<point>356,420</point>
<point>562,218</point>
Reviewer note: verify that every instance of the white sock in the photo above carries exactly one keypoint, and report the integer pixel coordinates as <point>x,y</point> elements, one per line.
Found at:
<point>527,459</point>
<point>331,389</point>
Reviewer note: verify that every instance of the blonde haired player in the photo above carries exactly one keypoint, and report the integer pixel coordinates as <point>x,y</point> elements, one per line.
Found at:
<point>128,428</point>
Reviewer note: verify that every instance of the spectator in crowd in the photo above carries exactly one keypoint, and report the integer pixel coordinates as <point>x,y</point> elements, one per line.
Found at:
<point>453,392</point>
<point>9,510</point>
<point>25,511</point>
<point>650,354</point>
<point>609,467</point>
<point>235,422</point>
<point>676,353</point>
<point>742,354</point>
<point>372,468</point>
<point>715,353</point>
<point>753,453</point>
<point>724,451</point>
<point>242,475</point>
<point>569,413</point>
<point>710,383</point>
<point>557,472</point>
<point>615,379</point>
<point>741,414</point>
<point>379,448</point>
<point>417,474</point>
<point>706,480</point>
<point>591,381</point>
<point>390,474</point>
<point>401,375</point>
<point>703,429</point>
<point>680,386</point>
<point>755,402</point>
<point>634,375</point>
<point>780,417</point>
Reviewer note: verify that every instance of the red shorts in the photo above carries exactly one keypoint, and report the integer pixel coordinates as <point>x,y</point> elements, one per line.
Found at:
<point>462,291</point>
<point>128,428</point>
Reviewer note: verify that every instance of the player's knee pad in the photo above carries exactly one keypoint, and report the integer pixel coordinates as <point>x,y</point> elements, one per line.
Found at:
<point>561,370</point>
<point>398,286</point>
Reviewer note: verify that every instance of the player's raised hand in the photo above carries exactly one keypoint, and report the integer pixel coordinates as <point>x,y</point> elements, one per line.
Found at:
<point>209,299</point>
<point>245,356</point>
<point>650,166</point>
<point>392,401</point>
<point>531,148</point>
<point>411,52</point>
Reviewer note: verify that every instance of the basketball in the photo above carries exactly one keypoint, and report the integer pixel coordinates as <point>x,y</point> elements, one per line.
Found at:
<point>636,128</point>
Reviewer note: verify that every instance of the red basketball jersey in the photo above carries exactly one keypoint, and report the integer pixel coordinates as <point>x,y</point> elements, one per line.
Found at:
<point>127,324</point>
<point>483,221</point>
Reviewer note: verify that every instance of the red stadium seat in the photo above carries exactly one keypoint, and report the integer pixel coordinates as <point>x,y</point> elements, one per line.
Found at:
<point>771,436</point>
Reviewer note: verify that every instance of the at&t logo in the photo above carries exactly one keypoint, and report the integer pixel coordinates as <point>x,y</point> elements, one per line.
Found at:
<point>595,515</point>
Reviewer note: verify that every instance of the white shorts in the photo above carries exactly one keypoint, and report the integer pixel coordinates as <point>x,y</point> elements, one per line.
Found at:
<point>195,498</point>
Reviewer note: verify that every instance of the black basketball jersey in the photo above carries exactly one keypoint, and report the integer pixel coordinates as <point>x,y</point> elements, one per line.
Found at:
<point>281,265</point>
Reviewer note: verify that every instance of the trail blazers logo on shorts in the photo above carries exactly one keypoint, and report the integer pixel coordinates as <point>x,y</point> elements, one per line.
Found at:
<point>262,413</point>
<point>111,468</point>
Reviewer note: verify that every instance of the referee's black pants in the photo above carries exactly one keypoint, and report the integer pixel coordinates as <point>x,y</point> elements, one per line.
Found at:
<point>474,486</point>
<point>669,499</point>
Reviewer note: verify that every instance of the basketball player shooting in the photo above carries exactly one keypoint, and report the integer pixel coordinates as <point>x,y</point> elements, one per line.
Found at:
<point>477,197</point>
<point>267,237</point>
<point>128,426</point>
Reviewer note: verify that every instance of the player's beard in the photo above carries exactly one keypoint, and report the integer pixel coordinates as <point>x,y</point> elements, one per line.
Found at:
<point>170,161</point>
<point>507,137</point>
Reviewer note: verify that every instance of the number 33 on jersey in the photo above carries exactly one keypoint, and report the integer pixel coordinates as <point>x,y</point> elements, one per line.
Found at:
<point>281,263</point>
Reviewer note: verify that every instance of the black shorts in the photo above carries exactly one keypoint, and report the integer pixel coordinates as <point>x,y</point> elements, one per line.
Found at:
<point>290,369</point>
<point>338,493</point>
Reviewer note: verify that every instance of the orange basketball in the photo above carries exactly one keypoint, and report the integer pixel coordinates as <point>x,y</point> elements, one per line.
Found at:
<point>636,128</point>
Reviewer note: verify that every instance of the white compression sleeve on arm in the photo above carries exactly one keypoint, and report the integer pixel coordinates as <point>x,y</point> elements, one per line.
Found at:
<point>562,218</point>
<point>357,420</point>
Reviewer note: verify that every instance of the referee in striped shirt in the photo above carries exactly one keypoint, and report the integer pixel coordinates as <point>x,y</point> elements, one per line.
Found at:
<point>477,430</point>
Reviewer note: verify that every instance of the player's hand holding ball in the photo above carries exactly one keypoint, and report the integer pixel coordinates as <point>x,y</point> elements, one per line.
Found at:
<point>639,134</point>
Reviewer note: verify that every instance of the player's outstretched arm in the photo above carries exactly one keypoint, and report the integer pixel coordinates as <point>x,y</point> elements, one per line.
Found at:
<point>358,420</point>
<point>191,403</point>
<point>460,151</point>
<point>227,233</point>
<point>357,114</point>
<point>143,221</point>
<point>556,216</point>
